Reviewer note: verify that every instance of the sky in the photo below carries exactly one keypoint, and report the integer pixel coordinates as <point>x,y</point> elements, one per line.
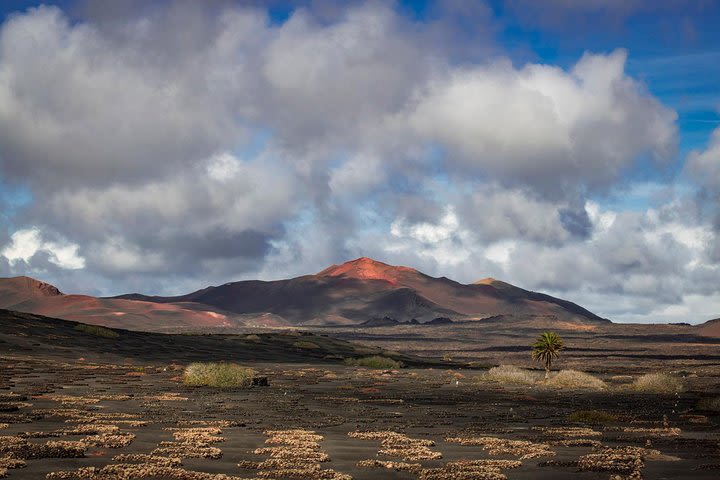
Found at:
<point>569,147</point>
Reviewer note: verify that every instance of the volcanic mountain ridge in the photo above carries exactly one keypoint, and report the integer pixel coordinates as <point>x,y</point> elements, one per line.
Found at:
<point>351,293</point>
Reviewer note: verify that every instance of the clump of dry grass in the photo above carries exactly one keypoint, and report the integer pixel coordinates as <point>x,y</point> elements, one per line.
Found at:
<point>86,399</point>
<point>649,432</point>
<point>81,429</point>
<point>12,397</point>
<point>131,471</point>
<point>144,458</point>
<point>575,380</point>
<point>166,397</point>
<point>510,375</point>
<point>470,469</point>
<point>293,454</point>
<point>14,406</point>
<point>306,345</point>
<point>105,440</point>
<point>9,462</point>
<point>626,460</point>
<point>374,361</point>
<point>568,431</point>
<point>96,330</point>
<point>396,444</point>
<point>194,442</point>
<point>659,383</point>
<point>19,448</point>
<point>501,446</point>
<point>218,375</point>
<point>396,466</point>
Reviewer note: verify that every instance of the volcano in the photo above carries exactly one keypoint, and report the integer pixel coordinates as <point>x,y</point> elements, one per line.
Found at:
<point>350,293</point>
<point>359,290</point>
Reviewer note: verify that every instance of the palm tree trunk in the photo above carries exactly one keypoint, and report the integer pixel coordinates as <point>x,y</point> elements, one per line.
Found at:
<point>547,370</point>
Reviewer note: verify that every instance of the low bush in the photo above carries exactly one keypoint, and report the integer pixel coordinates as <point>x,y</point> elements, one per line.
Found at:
<point>375,361</point>
<point>592,416</point>
<point>657,383</point>
<point>574,379</point>
<point>305,345</point>
<point>96,330</point>
<point>709,404</point>
<point>510,374</point>
<point>253,338</point>
<point>218,375</point>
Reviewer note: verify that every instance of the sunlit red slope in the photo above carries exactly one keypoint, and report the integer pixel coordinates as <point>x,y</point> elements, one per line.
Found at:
<point>26,294</point>
<point>711,328</point>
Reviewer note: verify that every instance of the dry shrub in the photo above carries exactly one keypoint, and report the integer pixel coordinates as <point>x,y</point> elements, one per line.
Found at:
<point>592,417</point>
<point>573,379</point>
<point>96,330</point>
<point>194,442</point>
<point>375,361</point>
<point>106,440</point>
<point>305,345</point>
<point>86,400</point>
<point>658,383</point>
<point>649,432</point>
<point>396,466</point>
<point>20,448</point>
<point>396,444</point>
<point>510,375</point>
<point>12,397</point>
<point>165,397</point>
<point>82,429</point>
<point>294,454</point>
<point>500,446</point>
<point>132,471</point>
<point>568,432</point>
<point>144,458</point>
<point>470,470</point>
<point>623,460</point>
<point>218,375</point>
<point>10,462</point>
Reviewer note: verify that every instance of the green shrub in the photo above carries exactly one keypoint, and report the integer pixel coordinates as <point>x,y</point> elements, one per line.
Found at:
<point>592,416</point>
<point>657,383</point>
<point>375,361</point>
<point>96,330</point>
<point>574,379</point>
<point>709,404</point>
<point>480,365</point>
<point>305,345</point>
<point>218,374</point>
<point>510,374</point>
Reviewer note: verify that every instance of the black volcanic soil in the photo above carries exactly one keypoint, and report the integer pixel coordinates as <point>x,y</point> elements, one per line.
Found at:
<point>136,388</point>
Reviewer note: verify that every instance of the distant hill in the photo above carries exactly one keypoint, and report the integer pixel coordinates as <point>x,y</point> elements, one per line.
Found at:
<point>25,294</point>
<point>363,289</point>
<point>352,293</point>
<point>711,328</point>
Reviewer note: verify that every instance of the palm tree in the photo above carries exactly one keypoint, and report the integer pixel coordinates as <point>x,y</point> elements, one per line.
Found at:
<point>546,349</point>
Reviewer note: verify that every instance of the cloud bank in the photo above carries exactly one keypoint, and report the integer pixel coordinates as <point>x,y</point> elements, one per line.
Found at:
<point>170,148</point>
